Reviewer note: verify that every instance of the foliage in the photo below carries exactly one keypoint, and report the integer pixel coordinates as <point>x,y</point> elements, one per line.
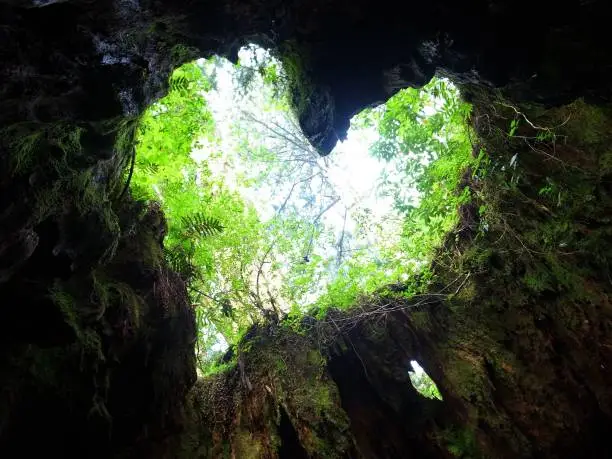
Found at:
<point>28,139</point>
<point>245,261</point>
<point>424,135</point>
<point>424,138</point>
<point>215,239</point>
<point>200,225</point>
<point>165,172</point>
<point>169,130</point>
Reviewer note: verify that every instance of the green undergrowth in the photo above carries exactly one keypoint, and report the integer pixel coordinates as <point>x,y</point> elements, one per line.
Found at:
<point>543,194</point>
<point>536,259</point>
<point>460,443</point>
<point>548,203</point>
<point>426,137</point>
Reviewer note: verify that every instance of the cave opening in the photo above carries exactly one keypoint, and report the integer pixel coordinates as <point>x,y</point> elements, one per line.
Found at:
<point>422,382</point>
<point>510,315</point>
<point>260,225</point>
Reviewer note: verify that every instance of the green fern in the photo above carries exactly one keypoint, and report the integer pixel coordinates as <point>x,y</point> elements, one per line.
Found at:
<point>199,225</point>
<point>180,84</point>
<point>147,167</point>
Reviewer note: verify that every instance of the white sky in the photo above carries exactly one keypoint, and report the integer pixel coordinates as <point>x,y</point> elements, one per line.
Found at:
<point>352,170</point>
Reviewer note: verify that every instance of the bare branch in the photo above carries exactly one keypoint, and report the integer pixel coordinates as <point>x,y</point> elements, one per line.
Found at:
<point>340,244</point>
<point>315,223</point>
<point>279,135</point>
<point>535,126</point>
<point>260,268</point>
<point>282,207</point>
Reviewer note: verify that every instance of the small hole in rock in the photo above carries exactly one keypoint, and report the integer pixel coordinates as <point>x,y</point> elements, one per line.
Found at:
<point>421,381</point>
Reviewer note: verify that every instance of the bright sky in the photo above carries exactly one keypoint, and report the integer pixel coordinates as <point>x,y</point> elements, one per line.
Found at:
<point>352,170</point>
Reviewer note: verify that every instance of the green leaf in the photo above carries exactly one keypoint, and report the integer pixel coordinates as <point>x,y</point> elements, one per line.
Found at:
<point>201,225</point>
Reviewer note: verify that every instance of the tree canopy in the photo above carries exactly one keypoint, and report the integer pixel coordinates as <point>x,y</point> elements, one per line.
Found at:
<point>261,227</point>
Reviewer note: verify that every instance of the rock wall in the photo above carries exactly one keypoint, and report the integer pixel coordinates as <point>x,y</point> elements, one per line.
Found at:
<point>515,329</point>
<point>83,62</point>
<point>97,335</point>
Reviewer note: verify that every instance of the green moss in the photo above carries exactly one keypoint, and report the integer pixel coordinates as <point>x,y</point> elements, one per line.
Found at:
<point>66,303</point>
<point>110,293</point>
<point>461,443</point>
<point>584,125</point>
<point>541,253</point>
<point>294,370</point>
<point>295,65</point>
<point>123,130</point>
<point>24,151</point>
<point>315,358</point>
<point>91,344</point>
<point>538,277</point>
<point>29,144</point>
<point>227,450</point>
<point>468,378</point>
<point>220,367</point>
<point>150,251</point>
<point>421,319</point>
<point>466,294</point>
<point>605,162</point>
<point>245,445</point>
<point>322,399</point>
<point>281,366</point>
<point>477,258</point>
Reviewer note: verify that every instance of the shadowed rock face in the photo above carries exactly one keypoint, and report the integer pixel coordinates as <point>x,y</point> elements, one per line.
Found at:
<point>524,373</point>
<point>86,61</point>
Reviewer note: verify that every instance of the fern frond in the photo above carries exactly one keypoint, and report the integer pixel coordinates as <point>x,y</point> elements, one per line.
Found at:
<point>179,83</point>
<point>147,167</point>
<point>200,225</point>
